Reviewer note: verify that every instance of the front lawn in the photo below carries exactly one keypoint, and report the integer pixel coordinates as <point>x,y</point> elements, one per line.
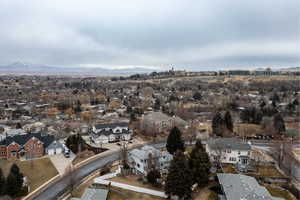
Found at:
<point>206,194</point>
<point>269,171</point>
<point>121,194</point>
<point>37,171</point>
<point>277,192</point>
<point>133,180</point>
<point>229,168</point>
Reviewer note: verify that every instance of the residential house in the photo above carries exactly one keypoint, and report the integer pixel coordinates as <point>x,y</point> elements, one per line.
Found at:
<point>228,150</point>
<point>238,186</point>
<point>161,122</point>
<point>31,145</point>
<point>144,159</point>
<point>113,132</point>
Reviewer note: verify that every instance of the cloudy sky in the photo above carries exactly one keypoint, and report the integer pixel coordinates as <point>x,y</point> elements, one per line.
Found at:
<point>187,34</point>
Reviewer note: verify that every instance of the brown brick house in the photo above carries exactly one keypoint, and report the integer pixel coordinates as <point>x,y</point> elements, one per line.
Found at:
<point>31,145</point>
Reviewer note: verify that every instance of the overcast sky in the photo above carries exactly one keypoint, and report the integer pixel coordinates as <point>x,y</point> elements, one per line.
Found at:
<point>187,34</point>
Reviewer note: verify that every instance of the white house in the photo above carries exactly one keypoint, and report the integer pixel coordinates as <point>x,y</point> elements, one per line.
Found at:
<point>105,133</point>
<point>228,150</point>
<point>142,160</point>
<point>55,148</point>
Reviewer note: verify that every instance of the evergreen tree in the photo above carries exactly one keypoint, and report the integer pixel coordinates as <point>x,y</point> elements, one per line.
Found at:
<point>228,121</point>
<point>279,123</point>
<point>174,141</point>
<point>199,164</point>
<point>179,181</point>
<point>253,115</point>
<point>152,177</point>
<point>2,183</point>
<point>14,181</point>
<point>262,104</point>
<point>197,96</point>
<point>18,125</point>
<point>75,143</point>
<point>78,107</point>
<point>217,124</point>
<point>157,104</point>
<point>275,97</point>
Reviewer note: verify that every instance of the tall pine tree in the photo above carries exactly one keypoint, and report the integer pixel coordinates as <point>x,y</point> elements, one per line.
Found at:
<point>228,121</point>
<point>174,141</point>
<point>178,182</point>
<point>199,165</point>
<point>2,183</point>
<point>279,123</point>
<point>217,124</point>
<point>14,182</point>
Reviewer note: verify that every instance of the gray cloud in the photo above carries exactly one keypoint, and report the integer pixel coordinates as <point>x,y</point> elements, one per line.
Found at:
<point>187,34</point>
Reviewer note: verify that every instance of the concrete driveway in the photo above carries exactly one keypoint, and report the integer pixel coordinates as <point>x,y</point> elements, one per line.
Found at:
<point>61,162</point>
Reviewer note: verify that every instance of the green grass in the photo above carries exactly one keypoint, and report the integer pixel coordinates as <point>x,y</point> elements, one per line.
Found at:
<point>38,171</point>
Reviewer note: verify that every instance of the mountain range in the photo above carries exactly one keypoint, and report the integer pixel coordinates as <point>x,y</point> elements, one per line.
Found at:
<point>34,69</point>
<point>21,68</point>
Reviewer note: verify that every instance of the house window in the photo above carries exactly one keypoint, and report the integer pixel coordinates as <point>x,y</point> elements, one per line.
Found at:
<point>138,165</point>
<point>239,152</point>
<point>14,153</point>
<point>232,159</point>
<point>228,151</point>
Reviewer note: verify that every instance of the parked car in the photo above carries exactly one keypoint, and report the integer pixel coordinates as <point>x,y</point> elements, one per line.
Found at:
<point>67,154</point>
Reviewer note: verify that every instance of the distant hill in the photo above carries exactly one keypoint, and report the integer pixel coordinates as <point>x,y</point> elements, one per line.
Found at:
<point>19,68</point>
<point>290,69</point>
<point>281,69</point>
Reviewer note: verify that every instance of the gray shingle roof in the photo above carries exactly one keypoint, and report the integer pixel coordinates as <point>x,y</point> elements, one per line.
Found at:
<point>94,194</point>
<point>228,143</point>
<point>109,132</point>
<point>22,139</point>
<point>111,125</point>
<point>242,187</point>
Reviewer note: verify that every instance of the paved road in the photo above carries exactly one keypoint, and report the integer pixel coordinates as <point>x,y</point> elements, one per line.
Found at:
<point>53,191</point>
<point>58,188</point>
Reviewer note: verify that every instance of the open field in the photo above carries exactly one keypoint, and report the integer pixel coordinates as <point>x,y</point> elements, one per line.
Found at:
<point>38,171</point>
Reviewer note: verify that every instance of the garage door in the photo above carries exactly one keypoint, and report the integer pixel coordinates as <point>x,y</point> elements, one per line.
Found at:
<point>51,152</point>
<point>58,151</point>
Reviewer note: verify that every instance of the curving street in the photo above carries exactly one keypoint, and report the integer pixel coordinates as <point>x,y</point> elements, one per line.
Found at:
<point>59,187</point>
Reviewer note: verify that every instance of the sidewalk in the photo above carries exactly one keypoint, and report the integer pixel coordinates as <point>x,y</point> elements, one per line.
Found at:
<point>130,187</point>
